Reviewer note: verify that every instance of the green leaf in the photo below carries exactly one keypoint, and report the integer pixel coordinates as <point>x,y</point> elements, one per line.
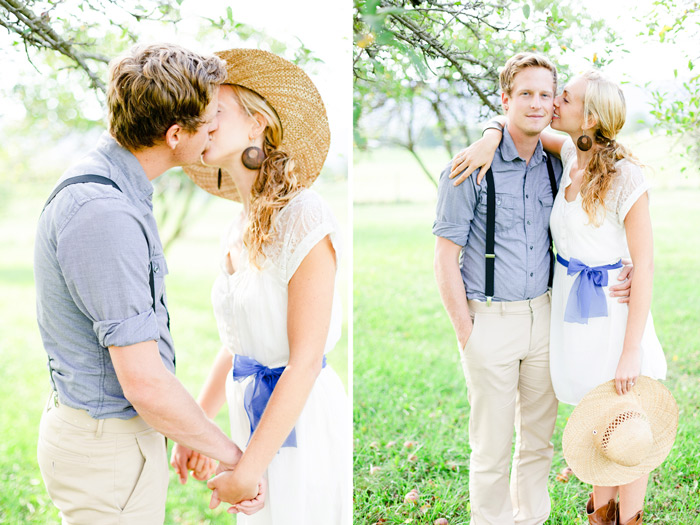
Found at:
<point>526,10</point>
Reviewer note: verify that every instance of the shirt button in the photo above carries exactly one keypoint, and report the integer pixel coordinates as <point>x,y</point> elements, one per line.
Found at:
<point>528,222</point>
<point>527,196</point>
<point>531,274</point>
<point>156,268</point>
<point>531,247</point>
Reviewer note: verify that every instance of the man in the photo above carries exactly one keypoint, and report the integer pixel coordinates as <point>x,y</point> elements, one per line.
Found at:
<point>101,303</point>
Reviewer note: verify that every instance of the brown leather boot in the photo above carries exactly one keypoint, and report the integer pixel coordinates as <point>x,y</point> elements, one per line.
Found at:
<point>605,515</point>
<point>635,520</point>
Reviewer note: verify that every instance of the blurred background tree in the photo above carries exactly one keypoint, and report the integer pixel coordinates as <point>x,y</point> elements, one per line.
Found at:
<point>677,112</point>
<point>53,100</point>
<point>430,68</point>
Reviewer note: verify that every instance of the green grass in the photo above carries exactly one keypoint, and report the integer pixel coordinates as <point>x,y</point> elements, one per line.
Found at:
<point>408,384</point>
<point>24,381</point>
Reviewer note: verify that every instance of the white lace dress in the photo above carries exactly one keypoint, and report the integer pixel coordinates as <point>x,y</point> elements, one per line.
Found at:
<point>307,484</point>
<point>582,356</point>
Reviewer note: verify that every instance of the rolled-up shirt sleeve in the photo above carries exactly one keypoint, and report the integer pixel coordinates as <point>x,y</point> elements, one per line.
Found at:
<point>455,208</point>
<point>105,260</point>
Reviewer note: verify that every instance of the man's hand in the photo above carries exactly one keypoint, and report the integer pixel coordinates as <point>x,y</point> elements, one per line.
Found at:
<point>463,337</point>
<point>622,290</point>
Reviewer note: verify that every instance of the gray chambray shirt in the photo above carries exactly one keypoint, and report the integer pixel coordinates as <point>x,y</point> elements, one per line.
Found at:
<point>94,250</point>
<point>523,205</point>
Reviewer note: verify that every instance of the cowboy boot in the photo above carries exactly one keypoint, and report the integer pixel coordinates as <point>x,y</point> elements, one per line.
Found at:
<point>634,520</point>
<point>605,515</point>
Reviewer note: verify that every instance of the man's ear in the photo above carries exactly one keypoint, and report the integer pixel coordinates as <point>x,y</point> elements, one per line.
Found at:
<point>504,102</point>
<point>173,136</point>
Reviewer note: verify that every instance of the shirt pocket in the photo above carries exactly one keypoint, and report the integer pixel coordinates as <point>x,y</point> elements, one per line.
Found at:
<point>545,209</point>
<point>505,210</point>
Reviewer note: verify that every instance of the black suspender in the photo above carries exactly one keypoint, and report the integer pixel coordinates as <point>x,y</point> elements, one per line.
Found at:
<point>99,179</point>
<point>490,255</point>
<point>553,184</point>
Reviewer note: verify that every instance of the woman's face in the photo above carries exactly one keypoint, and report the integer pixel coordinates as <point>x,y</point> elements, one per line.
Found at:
<point>568,107</point>
<point>235,133</point>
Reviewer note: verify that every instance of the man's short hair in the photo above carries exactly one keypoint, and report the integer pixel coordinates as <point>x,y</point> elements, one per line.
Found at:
<point>517,63</point>
<point>153,87</point>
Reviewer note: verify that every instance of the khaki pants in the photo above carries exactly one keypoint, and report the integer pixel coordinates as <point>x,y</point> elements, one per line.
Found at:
<point>109,471</point>
<point>506,366</point>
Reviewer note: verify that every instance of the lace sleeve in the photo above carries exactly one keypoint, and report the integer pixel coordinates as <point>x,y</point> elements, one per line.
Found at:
<point>627,188</point>
<point>568,151</point>
<point>304,222</point>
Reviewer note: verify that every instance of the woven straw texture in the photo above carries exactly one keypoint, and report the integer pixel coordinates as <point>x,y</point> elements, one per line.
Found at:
<point>292,94</point>
<point>603,418</point>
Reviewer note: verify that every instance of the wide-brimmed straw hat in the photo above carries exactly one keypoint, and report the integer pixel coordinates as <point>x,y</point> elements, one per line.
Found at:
<point>290,92</point>
<point>613,440</point>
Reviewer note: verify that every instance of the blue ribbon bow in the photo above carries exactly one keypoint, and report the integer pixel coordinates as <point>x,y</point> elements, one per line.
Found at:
<point>258,392</point>
<point>586,298</point>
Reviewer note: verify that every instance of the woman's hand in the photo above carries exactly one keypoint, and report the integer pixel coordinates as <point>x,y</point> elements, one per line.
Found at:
<point>479,154</point>
<point>232,486</point>
<point>251,506</point>
<point>628,369</point>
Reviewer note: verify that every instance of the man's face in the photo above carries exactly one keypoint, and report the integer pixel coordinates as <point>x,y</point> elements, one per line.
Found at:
<point>195,144</point>
<point>530,104</point>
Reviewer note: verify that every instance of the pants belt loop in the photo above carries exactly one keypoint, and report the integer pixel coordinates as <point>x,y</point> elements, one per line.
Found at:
<point>100,424</point>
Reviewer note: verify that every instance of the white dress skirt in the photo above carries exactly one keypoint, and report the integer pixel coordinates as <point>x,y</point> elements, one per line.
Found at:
<point>582,356</point>
<point>307,484</point>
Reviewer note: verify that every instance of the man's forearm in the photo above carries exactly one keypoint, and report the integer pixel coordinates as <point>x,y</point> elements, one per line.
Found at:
<point>451,288</point>
<point>164,403</point>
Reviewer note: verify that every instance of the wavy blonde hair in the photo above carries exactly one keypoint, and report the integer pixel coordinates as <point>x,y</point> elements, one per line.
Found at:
<point>276,183</point>
<point>605,103</point>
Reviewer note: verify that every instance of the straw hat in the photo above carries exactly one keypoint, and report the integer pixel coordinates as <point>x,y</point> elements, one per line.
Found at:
<point>295,99</point>
<point>613,440</point>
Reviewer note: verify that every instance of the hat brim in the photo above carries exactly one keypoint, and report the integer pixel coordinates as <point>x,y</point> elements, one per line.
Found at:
<point>581,453</point>
<point>297,102</point>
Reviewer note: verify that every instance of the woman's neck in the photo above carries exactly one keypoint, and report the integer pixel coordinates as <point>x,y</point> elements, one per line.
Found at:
<point>582,157</point>
<point>244,179</point>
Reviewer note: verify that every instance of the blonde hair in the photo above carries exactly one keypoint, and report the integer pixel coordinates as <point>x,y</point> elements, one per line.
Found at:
<point>276,183</point>
<point>153,87</point>
<point>517,63</point>
<point>605,103</point>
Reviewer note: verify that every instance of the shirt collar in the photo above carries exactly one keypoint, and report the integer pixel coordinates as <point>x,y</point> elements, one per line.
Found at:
<point>509,152</point>
<point>129,168</point>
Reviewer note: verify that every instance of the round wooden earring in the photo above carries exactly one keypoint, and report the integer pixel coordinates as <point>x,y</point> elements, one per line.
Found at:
<point>252,157</point>
<point>584,142</point>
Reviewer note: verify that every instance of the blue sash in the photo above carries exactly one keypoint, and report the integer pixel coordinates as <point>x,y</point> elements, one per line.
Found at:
<point>586,298</point>
<point>258,392</point>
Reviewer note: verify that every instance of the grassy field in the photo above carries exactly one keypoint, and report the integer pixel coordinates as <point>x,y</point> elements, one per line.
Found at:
<point>24,381</point>
<point>410,406</point>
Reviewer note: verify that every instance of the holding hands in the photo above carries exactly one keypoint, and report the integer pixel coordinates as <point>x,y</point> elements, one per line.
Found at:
<point>231,486</point>
<point>227,486</point>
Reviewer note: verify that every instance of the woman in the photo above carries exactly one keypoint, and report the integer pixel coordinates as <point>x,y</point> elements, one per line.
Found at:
<point>275,304</point>
<point>600,215</point>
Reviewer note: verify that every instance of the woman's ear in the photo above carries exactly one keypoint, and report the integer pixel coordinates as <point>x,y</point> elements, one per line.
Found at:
<point>590,123</point>
<point>259,126</point>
